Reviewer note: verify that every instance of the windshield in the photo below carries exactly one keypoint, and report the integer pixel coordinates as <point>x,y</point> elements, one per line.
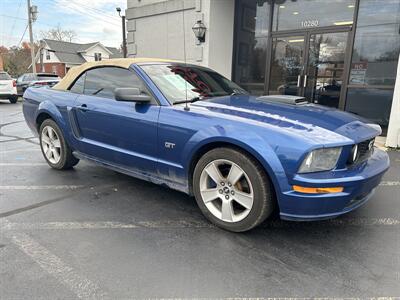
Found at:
<point>4,76</point>
<point>177,80</point>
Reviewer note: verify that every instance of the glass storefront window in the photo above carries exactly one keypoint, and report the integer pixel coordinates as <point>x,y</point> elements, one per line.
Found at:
<point>374,62</point>
<point>371,103</point>
<point>377,44</point>
<point>305,14</point>
<point>252,22</point>
<point>375,55</point>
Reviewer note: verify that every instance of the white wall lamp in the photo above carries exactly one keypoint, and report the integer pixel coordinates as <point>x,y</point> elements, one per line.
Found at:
<point>199,30</point>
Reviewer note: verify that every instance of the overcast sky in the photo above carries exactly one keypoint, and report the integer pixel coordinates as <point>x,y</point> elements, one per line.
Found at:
<point>92,20</point>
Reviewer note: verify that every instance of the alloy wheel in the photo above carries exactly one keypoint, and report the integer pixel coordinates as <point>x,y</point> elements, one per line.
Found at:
<point>226,190</point>
<point>51,144</point>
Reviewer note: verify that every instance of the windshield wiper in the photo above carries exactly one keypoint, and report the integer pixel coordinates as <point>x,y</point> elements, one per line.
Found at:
<point>98,91</point>
<point>188,101</point>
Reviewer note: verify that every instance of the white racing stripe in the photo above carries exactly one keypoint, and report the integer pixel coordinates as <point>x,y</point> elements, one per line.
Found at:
<point>40,187</point>
<point>82,287</point>
<point>189,224</point>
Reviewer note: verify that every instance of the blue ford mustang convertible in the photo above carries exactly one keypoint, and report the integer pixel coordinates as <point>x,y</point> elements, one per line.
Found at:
<point>191,129</point>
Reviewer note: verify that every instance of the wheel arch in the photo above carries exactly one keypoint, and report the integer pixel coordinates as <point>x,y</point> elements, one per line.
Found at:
<point>48,110</point>
<point>41,117</point>
<point>233,144</point>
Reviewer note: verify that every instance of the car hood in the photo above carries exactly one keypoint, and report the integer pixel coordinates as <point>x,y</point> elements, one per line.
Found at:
<point>313,121</point>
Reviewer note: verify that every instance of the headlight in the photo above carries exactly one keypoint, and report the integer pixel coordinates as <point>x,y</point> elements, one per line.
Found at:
<point>320,160</point>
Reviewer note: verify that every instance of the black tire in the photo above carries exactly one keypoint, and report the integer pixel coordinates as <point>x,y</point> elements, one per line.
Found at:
<point>13,99</point>
<point>263,199</point>
<point>67,160</point>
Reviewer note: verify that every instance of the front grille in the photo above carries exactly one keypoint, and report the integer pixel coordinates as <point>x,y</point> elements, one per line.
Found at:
<point>364,151</point>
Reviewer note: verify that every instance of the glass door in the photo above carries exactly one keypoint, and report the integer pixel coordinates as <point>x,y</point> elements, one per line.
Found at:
<point>309,64</point>
<point>323,78</point>
<point>287,65</point>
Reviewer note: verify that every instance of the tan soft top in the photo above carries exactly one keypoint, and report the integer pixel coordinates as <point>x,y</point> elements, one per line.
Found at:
<point>74,72</point>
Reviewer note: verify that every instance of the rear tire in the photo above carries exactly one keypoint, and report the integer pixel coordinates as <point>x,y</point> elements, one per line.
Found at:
<point>243,197</point>
<point>13,99</point>
<point>55,149</point>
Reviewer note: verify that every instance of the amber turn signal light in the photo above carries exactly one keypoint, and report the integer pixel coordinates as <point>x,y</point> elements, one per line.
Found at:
<point>323,190</point>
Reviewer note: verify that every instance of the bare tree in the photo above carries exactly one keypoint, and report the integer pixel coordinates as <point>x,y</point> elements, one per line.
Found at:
<point>59,34</point>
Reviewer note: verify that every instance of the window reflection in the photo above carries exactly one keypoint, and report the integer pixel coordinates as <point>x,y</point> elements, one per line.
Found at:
<point>374,62</point>
<point>373,104</point>
<point>325,68</point>
<point>290,14</point>
<point>286,65</point>
<point>252,22</point>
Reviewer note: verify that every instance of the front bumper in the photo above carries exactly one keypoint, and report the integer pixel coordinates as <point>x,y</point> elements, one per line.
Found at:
<point>359,184</point>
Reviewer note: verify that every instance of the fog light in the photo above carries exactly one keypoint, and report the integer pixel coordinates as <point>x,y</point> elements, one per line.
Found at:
<point>319,190</point>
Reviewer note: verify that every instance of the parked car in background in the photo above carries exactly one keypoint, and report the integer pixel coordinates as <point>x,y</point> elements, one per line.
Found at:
<point>191,129</point>
<point>8,88</point>
<point>38,79</point>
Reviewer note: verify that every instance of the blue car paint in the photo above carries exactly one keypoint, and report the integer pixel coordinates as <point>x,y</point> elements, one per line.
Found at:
<point>131,138</point>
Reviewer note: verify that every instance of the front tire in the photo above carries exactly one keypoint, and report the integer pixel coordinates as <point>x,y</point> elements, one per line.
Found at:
<point>55,149</point>
<point>232,189</point>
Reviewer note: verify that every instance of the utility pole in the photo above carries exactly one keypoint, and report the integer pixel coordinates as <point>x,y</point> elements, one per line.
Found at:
<point>123,32</point>
<point>32,16</point>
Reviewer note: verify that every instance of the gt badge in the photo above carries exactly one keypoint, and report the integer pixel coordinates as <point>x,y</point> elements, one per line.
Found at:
<point>169,145</point>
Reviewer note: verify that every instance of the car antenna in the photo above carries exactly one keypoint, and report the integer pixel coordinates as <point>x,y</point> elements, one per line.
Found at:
<point>184,58</point>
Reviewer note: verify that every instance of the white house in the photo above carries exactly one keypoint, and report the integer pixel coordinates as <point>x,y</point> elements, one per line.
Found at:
<point>58,56</point>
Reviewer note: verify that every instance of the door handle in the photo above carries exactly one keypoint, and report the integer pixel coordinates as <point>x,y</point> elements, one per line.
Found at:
<point>305,81</point>
<point>83,107</point>
<point>298,80</point>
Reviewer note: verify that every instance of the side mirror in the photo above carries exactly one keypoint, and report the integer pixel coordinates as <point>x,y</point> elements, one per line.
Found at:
<point>131,95</point>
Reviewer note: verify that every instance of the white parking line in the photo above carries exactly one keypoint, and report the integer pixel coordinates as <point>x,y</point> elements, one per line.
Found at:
<point>82,287</point>
<point>9,226</point>
<point>390,183</point>
<point>23,164</point>
<point>21,150</point>
<point>40,187</point>
<point>285,298</point>
<point>103,225</point>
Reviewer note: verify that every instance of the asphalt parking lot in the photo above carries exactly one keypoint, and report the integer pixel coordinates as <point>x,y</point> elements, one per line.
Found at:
<point>93,233</point>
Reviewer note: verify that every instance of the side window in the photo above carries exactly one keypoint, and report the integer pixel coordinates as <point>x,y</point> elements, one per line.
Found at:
<point>79,84</point>
<point>29,77</point>
<point>103,81</point>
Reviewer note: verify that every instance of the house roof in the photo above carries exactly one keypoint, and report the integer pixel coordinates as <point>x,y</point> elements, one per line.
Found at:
<point>75,72</point>
<point>116,53</point>
<point>65,51</point>
<point>71,52</point>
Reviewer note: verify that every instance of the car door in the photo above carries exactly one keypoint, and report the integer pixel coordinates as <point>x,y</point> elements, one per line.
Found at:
<point>121,133</point>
